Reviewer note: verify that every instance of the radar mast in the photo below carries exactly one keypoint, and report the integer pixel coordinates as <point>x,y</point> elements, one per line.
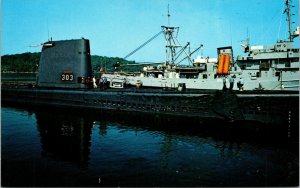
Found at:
<point>170,41</point>
<point>290,22</point>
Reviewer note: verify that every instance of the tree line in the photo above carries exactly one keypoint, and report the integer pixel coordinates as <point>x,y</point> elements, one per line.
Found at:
<point>28,62</point>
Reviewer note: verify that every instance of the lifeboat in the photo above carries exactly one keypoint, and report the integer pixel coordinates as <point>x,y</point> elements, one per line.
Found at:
<point>221,64</point>
<point>226,64</point>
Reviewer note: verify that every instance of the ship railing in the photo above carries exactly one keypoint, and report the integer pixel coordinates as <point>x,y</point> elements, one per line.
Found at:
<point>291,86</point>
<point>292,80</point>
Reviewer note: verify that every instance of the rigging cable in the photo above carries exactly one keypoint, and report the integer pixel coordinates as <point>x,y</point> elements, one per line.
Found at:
<point>144,44</point>
<point>187,55</point>
<point>190,54</point>
<point>180,52</point>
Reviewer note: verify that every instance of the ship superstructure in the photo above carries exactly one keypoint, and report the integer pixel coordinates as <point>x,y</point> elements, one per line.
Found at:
<point>274,67</point>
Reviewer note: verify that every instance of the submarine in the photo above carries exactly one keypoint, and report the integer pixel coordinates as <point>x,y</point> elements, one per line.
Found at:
<point>64,80</point>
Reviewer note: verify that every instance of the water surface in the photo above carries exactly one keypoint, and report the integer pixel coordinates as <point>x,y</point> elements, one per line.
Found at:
<point>54,147</point>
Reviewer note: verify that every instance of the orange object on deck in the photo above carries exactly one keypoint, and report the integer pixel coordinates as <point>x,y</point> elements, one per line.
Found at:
<point>220,64</point>
<point>226,64</point>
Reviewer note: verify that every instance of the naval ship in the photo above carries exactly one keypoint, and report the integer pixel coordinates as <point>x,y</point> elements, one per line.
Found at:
<point>274,67</point>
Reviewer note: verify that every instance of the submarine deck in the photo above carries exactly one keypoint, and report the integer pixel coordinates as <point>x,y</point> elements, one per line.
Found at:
<point>248,93</point>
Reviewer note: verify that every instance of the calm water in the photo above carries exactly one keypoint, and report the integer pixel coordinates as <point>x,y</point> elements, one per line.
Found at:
<point>70,148</point>
<point>22,77</point>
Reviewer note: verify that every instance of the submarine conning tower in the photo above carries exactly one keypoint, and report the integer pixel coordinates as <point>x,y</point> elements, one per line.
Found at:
<point>65,64</point>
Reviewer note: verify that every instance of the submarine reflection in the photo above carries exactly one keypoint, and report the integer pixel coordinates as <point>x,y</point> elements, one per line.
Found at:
<point>67,136</point>
<point>64,136</point>
<point>56,147</point>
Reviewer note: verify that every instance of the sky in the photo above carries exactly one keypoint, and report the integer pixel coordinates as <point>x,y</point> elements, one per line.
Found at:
<point>117,27</point>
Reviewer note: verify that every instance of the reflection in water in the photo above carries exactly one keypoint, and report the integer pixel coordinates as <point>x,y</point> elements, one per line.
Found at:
<point>124,149</point>
<point>103,128</point>
<point>64,136</point>
<point>166,147</point>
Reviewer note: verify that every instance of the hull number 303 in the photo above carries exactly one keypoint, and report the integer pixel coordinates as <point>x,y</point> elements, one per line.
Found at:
<point>67,77</point>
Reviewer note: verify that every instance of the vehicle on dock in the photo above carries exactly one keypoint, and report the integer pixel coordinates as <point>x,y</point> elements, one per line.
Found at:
<point>117,82</point>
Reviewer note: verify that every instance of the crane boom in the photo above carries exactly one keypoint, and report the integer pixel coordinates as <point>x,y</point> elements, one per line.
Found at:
<point>144,44</point>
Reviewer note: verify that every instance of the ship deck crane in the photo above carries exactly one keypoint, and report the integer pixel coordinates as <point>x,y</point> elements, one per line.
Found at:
<point>144,44</point>
<point>171,45</point>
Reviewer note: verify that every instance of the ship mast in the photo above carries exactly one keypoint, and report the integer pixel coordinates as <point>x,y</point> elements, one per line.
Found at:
<point>168,16</point>
<point>290,22</point>
<point>288,13</point>
<point>170,42</point>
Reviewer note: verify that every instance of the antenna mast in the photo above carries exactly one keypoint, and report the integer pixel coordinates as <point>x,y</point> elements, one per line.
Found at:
<point>170,42</point>
<point>168,17</point>
<point>288,13</point>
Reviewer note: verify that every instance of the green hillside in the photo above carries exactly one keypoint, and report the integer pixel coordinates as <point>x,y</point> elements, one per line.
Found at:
<point>107,63</point>
<point>28,62</point>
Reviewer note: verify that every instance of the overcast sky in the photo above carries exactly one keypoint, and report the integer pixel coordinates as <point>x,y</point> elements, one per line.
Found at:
<point>117,27</point>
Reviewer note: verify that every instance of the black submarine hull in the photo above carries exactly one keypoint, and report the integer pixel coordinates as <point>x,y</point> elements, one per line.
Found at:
<point>160,102</point>
<point>267,107</point>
